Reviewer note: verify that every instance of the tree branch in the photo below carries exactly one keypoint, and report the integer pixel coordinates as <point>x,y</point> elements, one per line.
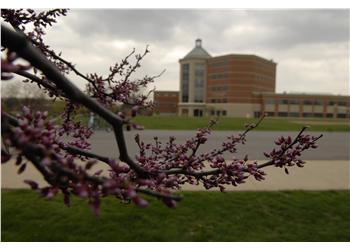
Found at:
<point>36,79</point>
<point>18,43</point>
<point>78,151</point>
<point>218,171</point>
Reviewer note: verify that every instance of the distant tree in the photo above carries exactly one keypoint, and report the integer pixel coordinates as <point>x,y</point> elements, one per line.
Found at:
<point>18,89</point>
<point>159,168</point>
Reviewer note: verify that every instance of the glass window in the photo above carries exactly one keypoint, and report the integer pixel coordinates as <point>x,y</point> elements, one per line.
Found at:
<point>318,114</point>
<point>199,82</point>
<point>318,102</point>
<point>283,101</point>
<point>185,81</point>
<point>307,102</point>
<point>282,114</point>
<point>219,64</point>
<point>198,112</point>
<point>294,102</point>
<point>308,114</point>
<point>270,101</point>
<point>294,114</point>
<point>341,115</point>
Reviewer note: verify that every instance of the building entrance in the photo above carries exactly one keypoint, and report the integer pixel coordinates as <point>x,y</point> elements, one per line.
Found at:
<point>198,112</point>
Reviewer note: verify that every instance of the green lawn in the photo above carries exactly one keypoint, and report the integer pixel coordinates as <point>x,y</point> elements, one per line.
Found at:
<point>226,123</point>
<point>230,123</point>
<point>201,216</point>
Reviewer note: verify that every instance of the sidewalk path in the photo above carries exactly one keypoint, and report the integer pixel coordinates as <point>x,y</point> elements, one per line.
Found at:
<point>316,175</point>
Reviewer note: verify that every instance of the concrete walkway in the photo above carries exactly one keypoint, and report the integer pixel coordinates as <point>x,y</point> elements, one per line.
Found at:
<point>316,175</point>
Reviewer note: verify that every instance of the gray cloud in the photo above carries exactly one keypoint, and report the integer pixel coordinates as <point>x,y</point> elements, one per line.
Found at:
<point>310,46</point>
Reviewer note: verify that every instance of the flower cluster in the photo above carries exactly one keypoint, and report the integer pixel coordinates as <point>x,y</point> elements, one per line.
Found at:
<point>74,129</point>
<point>289,152</point>
<point>211,169</point>
<point>37,128</point>
<point>72,179</point>
<point>20,17</point>
<point>37,139</point>
<point>117,87</point>
<point>8,65</point>
<point>32,24</point>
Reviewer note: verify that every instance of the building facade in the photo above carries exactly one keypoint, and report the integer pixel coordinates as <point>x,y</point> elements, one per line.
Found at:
<point>304,105</point>
<point>238,85</point>
<point>166,102</point>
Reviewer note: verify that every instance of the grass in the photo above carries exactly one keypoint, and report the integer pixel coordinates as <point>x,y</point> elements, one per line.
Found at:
<point>229,123</point>
<point>202,216</point>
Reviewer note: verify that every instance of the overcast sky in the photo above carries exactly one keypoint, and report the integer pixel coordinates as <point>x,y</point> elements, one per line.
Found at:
<point>311,47</point>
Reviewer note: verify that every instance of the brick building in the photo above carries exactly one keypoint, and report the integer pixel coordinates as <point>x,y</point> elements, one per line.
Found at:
<point>304,105</point>
<point>166,101</point>
<point>239,85</point>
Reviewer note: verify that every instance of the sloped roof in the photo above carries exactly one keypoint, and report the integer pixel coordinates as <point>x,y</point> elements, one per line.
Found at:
<point>198,51</point>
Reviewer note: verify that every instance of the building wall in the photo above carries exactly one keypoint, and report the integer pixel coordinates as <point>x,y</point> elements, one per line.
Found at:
<point>192,85</point>
<point>192,78</point>
<point>166,102</point>
<point>275,105</point>
<point>247,110</point>
<point>304,105</point>
<point>188,109</point>
<point>234,78</point>
<point>244,86</point>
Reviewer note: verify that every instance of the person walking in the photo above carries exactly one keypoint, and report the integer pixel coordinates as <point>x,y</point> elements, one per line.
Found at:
<point>91,123</point>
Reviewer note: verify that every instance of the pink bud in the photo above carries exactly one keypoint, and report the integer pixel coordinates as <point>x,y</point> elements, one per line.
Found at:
<point>82,190</point>
<point>26,110</point>
<point>169,202</point>
<point>46,161</point>
<point>140,202</point>
<point>109,184</point>
<point>131,193</point>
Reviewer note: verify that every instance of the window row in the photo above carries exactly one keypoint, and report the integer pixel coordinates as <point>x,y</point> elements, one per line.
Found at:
<point>297,114</point>
<point>166,95</point>
<point>219,64</point>
<point>304,102</point>
<point>218,112</point>
<point>219,100</point>
<point>219,76</point>
<point>220,88</point>
<point>264,78</point>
